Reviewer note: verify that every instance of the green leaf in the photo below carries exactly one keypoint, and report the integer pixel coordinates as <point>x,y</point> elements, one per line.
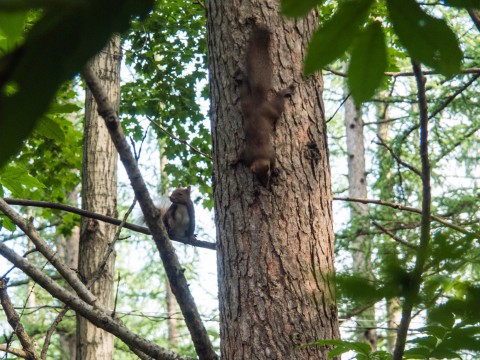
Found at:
<point>50,129</point>
<point>55,49</point>
<point>368,63</point>
<point>11,29</point>
<point>297,8</point>
<point>416,353</point>
<point>18,180</point>
<point>463,3</point>
<point>6,223</point>
<point>427,39</point>
<point>333,39</point>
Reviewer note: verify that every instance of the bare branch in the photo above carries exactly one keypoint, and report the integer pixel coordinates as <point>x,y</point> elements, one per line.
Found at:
<point>14,351</point>
<point>165,247</point>
<point>95,316</point>
<point>397,158</point>
<point>104,218</point>
<point>408,209</point>
<point>101,267</point>
<point>178,139</point>
<point>407,73</point>
<point>14,320</point>
<point>422,252</point>
<point>393,236</point>
<point>51,330</point>
<point>68,274</point>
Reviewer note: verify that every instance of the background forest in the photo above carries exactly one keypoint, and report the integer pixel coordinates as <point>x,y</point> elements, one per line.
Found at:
<point>398,256</point>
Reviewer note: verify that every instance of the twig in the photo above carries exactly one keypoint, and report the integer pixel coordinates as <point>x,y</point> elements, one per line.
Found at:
<point>14,320</point>
<point>101,267</point>
<point>175,273</point>
<point>407,73</point>
<point>356,311</point>
<point>393,236</point>
<point>397,158</point>
<point>51,330</point>
<point>177,138</point>
<point>116,297</point>
<point>338,108</point>
<point>422,253</point>
<point>202,5</point>
<point>408,209</point>
<point>442,106</point>
<point>104,218</point>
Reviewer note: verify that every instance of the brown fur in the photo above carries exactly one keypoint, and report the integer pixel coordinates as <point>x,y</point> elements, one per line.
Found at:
<point>179,219</point>
<point>259,113</point>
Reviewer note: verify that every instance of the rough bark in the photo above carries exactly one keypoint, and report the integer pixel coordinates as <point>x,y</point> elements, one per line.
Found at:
<point>357,188</point>
<point>99,194</point>
<point>275,245</point>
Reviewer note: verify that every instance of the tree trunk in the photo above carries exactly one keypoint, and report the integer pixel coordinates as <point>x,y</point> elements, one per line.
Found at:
<point>99,194</point>
<point>357,188</point>
<point>275,246</point>
<point>393,306</point>
<point>67,249</point>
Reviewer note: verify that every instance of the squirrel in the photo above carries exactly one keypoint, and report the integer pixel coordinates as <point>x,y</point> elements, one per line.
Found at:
<point>179,218</point>
<point>259,112</point>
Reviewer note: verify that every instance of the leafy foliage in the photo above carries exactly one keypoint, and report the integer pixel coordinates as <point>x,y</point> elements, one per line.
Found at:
<point>69,33</point>
<point>427,39</point>
<point>167,53</point>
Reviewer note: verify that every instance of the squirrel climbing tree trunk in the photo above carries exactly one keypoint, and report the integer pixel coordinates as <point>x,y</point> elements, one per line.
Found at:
<point>275,243</point>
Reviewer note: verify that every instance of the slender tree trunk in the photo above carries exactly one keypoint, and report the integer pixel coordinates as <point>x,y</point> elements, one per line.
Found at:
<point>362,244</point>
<point>172,309</point>
<point>67,249</point>
<point>99,194</point>
<point>275,246</point>
<point>387,190</point>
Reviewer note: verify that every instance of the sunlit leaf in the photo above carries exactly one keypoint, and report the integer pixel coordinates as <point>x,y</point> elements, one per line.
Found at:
<point>368,63</point>
<point>427,39</point>
<point>50,129</point>
<point>333,39</point>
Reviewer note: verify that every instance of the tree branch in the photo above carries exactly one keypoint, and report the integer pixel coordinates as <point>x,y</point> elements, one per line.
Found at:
<point>165,247</point>
<point>14,320</point>
<point>9,350</point>
<point>408,209</point>
<point>407,73</point>
<point>95,316</point>
<point>104,218</point>
<point>475,15</point>
<point>177,138</point>
<point>397,158</point>
<point>422,253</point>
<point>68,274</point>
<point>393,236</point>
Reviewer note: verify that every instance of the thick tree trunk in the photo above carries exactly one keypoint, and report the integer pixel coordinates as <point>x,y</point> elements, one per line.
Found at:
<point>275,246</point>
<point>357,188</point>
<point>99,194</point>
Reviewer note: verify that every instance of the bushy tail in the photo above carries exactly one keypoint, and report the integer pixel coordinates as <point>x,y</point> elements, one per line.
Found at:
<point>259,64</point>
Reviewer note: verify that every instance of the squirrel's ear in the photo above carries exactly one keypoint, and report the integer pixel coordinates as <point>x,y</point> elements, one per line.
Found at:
<point>179,186</point>
<point>188,188</point>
